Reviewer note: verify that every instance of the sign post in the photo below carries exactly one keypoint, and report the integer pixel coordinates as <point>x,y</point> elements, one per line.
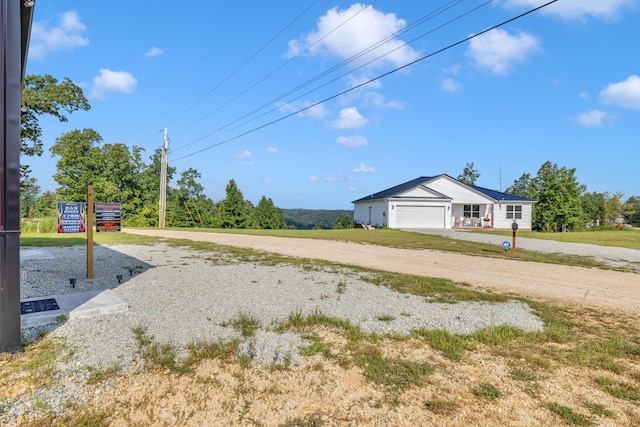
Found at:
<point>89,231</point>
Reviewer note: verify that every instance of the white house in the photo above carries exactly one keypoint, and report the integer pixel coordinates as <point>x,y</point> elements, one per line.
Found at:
<point>442,202</point>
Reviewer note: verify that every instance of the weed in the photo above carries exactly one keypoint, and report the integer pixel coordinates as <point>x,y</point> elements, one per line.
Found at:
<point>568,415</point>
<point>398,374</point>
<point>487,391</point>
<point>385,318</point>
<point>311,420</point>
<point>162,355</point>
<point>522,375</point>
<point>247,324</point>
<point>441,407</point>
<point>61,318</point>
<point>620,390</point>
<point>451,346</point>
<point>598,409</point>
<point>341,288</point>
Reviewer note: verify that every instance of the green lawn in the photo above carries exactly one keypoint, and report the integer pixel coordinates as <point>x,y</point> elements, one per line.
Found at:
<point>385,237</point>
<point>623,238</point>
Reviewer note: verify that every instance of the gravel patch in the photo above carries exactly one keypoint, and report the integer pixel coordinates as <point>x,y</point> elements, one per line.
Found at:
<point>180,297</point>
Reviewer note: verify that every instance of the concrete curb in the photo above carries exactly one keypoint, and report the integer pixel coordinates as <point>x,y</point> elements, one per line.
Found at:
<point>79,305</point>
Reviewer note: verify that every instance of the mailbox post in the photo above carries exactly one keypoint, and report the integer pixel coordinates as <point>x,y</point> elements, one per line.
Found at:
<point>514,228</point>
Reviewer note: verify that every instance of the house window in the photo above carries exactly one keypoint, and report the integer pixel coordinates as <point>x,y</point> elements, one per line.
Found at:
<point>514,212</point>
<point>472,211</point>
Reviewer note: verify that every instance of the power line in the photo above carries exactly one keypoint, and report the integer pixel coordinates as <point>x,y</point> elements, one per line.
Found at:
<point>420,21</point>
<point>281,66</point>
<point>351,71</point>
<point>234,72</point>
<point>466,39</point>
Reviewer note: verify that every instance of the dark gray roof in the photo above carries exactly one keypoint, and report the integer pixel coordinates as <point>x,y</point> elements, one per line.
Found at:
<point>406,186</point>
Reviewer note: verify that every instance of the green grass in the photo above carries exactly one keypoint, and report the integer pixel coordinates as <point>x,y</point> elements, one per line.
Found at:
<point>384,237</point>
<point>487,391</point>
<point>568,415</point>
<point>623,237</point>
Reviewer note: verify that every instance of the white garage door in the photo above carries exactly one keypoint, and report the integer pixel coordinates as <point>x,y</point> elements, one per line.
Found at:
<point>420,217</point>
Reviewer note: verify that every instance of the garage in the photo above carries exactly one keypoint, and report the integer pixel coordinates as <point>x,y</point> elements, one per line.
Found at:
<point>420,216</point>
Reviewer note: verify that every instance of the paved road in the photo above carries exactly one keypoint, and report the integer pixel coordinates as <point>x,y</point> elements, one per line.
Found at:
<point>610,253</point>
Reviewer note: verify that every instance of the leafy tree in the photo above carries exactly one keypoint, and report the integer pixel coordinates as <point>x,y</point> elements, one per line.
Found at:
<point>558,200</point>
<point>344,221</point>
<point>469,175</point>
<point>267,216</point>
<point>183,200</point>
<point>45,205</point>
<point>525,186</point>
<point>28,197</point>
<point>613,207</point>
<point>234,210</point>
<point>593,208</point>
<point>149,183</point>
<point>45,95</point>
<point>631,210</point>
<point>80,163</point>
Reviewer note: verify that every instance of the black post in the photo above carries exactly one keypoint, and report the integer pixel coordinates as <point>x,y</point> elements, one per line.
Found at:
<point>12,57</point>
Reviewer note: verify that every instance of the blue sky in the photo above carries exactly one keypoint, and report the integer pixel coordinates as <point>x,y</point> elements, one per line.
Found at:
<point>561,84</point>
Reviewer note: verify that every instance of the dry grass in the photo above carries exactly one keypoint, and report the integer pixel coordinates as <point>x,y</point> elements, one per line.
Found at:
<point>583,369</point>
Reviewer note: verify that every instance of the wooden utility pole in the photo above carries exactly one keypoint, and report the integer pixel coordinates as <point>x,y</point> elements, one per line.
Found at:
<point>163,181</point>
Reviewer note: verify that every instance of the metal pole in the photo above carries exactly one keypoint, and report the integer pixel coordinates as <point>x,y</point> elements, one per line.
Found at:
<point>11,81</point>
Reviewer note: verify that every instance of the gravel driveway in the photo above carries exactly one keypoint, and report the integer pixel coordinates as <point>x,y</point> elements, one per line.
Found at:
<point>591,287</point>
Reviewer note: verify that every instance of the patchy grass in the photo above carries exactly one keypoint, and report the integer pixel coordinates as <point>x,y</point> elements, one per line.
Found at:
<point>487,391</point>
<point>568,415</point>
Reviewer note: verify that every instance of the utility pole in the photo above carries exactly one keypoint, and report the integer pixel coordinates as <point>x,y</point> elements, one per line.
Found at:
<point>163,181</point>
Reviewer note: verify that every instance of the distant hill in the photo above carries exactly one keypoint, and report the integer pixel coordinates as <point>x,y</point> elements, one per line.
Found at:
<point>306,219</point>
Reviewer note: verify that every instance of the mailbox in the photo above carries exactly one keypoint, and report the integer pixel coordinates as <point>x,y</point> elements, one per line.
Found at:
<point>514,226</point>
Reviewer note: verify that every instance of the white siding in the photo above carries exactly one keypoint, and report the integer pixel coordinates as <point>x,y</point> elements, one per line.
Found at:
<point>458,192</point>
<point>371,213</point>
<point>500,215</point>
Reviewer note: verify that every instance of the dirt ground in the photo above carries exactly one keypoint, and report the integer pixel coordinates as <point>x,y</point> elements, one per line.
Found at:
<point>573,285</point>
<point>490,385</point>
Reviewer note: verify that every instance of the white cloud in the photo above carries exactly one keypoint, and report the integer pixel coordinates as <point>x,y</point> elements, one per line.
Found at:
<point>344,33</point>
<point>583,95</point>
<point>266,180</point>
<point>497,50</point>
<point>592,118</point>
<point>333,178</point>
<point>352,141</point>
<point>377,100</point>
<point>577,9</point>
<point>246,154</point>
<point>317,111</point>
<point>272,150</point>
<point>350,118</point>
<point>362,168</point>
<point>624,94</point>
<point>352,189</point>
<point>65,36</point>
<point>154,51</point>
<point>450,85</point>
<point>314,178</point>
<point>112,81</point>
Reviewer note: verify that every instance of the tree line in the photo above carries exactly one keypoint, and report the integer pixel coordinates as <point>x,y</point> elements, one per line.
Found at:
<point>565,204</point>
<point>119,174</point>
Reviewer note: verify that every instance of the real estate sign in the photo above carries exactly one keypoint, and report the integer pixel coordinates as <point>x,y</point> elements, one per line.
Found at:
<point>107,217</point>
<point>71,217</point>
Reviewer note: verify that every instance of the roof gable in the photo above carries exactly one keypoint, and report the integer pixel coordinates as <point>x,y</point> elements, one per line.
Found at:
<point>423,182</point>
